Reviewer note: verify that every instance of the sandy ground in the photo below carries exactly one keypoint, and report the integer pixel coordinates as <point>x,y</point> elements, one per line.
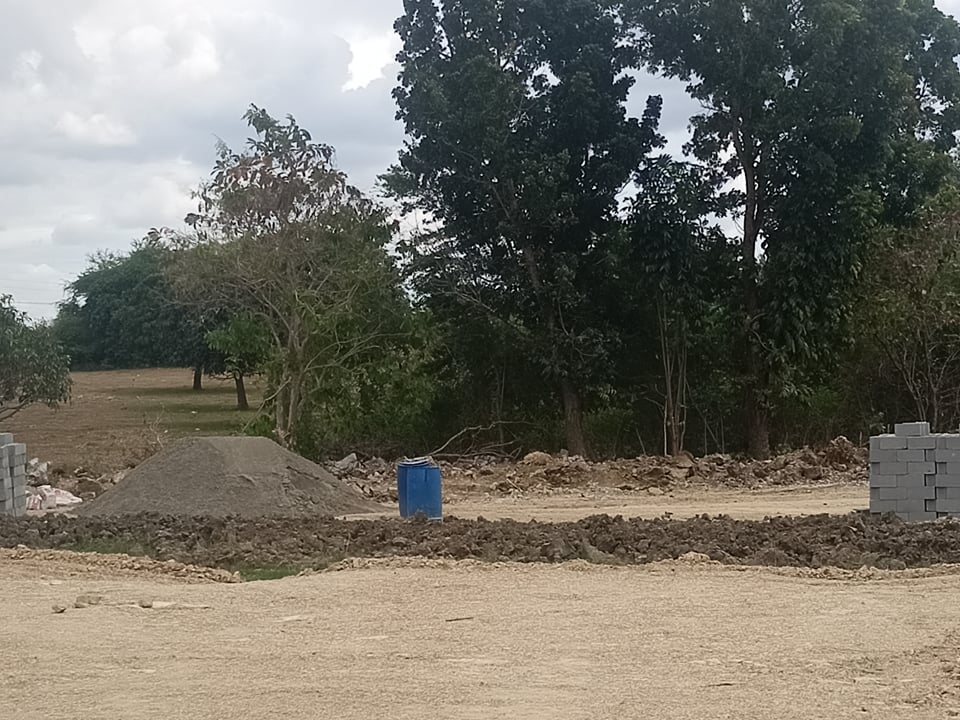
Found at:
<point>683,503</point>
<point>462,641</point>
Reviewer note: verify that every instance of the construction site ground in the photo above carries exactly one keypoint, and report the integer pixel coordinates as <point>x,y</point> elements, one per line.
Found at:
<point>440,639</point>
<point>621,599</point>
<point>680,503</point>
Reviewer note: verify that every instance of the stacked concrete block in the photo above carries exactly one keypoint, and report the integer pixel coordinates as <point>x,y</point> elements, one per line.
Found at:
<point>13,476</point>
<point>915,474</point>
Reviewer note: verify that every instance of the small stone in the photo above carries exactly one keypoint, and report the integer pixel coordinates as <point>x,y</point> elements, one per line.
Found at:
<point>537,458</point>
<point>59,609</point>
<point>145,604</point>
<point>88,600</point>
<point>654,491</point>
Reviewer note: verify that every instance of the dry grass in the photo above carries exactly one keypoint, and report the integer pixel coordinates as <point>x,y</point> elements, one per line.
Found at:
<point>118,418</point>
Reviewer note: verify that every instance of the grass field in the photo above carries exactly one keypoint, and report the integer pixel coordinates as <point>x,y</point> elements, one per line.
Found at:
<point>117,418</point>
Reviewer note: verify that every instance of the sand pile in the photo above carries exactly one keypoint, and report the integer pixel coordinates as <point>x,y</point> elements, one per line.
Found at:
<point>218,476</point>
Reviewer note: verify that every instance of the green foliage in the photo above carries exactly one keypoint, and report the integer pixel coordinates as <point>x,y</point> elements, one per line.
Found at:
<point>283,241</point>
<point>121,313</point>
<point>810,106</point>
<point>244,342</point>
<point>518,146</point>
<point>33,365</point>
<point>909,319</point>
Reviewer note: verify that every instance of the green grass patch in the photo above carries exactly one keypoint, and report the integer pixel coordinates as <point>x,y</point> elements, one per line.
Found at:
<point>185,392</point>
<point>228,426</point>
<point>111,546</point>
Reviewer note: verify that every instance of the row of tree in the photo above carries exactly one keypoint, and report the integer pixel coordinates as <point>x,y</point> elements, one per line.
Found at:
<point>570,283</point>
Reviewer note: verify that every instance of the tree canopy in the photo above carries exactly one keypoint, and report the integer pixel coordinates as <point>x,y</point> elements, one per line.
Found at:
<point>822,112</point>
<point>121,313</point>
<point>567,283</point>
<point>518,146</point>
<point>33,366</point>
<point>282,239</point>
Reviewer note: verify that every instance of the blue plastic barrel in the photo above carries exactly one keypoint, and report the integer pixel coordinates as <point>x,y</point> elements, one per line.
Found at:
<point>420,488</point>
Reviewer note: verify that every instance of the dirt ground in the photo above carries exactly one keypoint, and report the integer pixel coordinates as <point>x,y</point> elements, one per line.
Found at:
<point>269,547</point>
<point>459,640</point>
<point>683,503</point>
<point>117,418</point>
<point>632,617</point>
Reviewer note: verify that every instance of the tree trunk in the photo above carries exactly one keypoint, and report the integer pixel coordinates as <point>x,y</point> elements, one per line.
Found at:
<point>757,420</point>
<point>242,403</point>
<point>197,379</point>
<point>572,407</point>
<point>573,419</point>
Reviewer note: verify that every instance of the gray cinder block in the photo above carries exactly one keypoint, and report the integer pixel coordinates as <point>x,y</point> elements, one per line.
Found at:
<point>891,493</point>
<point>947,456</point>
<point>882,481</point>
<point>951,442</point>
<point>6,439</point>
<point>921,468</point>
<point>948,480</point>
<point>890,442</point>
<point>921,493</point>
<point>918,517</point>
<point>948,505</point>
<point>913,429</point>
<point>897,468</point>
<point>930,455</point>
<point>913,506</point>
<point>924,442</point>
<point>914,480</point>
<point>883,506</point>
<point>911,456</point>
<point>948,493</point>
<point>879,456</point>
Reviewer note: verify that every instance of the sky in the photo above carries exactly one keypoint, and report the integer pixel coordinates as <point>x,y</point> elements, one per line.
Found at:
<point>110,111</point>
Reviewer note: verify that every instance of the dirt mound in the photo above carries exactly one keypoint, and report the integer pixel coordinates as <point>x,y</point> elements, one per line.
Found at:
<point>221,476</point>
<point>844,541</point>
<point>540,474</point>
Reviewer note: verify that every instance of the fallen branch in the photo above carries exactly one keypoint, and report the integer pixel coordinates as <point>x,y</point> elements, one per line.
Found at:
<point>475,429</point>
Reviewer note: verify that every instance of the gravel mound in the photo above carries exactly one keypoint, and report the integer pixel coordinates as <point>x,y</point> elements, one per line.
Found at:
<point>226,476</point>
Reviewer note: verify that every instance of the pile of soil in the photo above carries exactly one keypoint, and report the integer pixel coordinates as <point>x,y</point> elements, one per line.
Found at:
<point>840,462</point>
<point>221,476</point>
<point>850,541</point>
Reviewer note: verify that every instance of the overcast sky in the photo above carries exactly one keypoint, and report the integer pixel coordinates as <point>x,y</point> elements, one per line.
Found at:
<point>110,109</point>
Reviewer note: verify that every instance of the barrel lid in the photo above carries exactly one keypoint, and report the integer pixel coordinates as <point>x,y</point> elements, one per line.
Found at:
<point>417,462</point>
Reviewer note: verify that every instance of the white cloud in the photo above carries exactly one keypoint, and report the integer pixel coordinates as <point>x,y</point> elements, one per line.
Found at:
<point>109,110</point>
<point>97,129</point>
<point>371,54</point>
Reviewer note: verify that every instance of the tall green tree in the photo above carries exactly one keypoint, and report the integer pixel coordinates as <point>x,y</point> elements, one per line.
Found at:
<point>827,117</point>
<point>33,366</point>
<point>121,313</point>
<point>244,342</point>
<point>283,239</point>
<point>518,145</point>
<point>676,264</point>
<point>909,317</point>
